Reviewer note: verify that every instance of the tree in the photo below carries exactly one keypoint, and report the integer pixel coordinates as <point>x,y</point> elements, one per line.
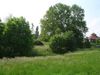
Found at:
<point>1,32</point>
<point>78,25</point>
<point>56,19</point>
<point>18,37</point>
<point>2,27</point>
<point>61,18</point>
<point>37,32</point>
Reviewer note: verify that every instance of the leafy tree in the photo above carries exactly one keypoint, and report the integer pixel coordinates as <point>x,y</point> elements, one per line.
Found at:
<point>78,25</point>
<point>61,43</point>
<point>61,18</point>
<point>55,20</point>
<point>18,37</point>
<point>1,32</point>
<point>2,26</point>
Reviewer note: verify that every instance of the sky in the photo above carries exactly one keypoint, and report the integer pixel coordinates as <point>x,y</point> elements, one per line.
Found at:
<point>34,10</point>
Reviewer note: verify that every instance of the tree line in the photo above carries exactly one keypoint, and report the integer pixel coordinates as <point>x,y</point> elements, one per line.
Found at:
<point>62,25</point>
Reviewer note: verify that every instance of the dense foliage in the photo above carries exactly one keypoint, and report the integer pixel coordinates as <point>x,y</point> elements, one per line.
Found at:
<point>2,27</point>
<point>17,38</point>
<point>61,43</point>
<point>61,18</point>
<point>86,43</point>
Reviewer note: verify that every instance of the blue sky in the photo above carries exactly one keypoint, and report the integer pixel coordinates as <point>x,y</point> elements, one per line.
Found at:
<point>33,10</point>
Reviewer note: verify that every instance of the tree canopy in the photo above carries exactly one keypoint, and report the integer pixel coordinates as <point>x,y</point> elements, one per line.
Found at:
<point>18,38</point>
<point>61,18</point>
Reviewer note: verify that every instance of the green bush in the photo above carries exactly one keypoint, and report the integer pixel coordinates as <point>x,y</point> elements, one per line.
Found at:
<point>17,38</point>
<point>2,28</point>
<point>86,43</point>
<point>62,43</point>
<point>98,41</point>
<point>95,43</point>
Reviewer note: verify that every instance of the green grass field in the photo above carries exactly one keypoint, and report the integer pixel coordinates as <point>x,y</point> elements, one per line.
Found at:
<point>77,63</point>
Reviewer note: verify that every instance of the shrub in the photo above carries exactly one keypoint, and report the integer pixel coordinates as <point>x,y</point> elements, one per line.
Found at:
<point>86,43</point>
<point>2,27</point>
<point>18,38</point>
<point>62,43</point>
<point>38,42</point>
<point>97,43</point>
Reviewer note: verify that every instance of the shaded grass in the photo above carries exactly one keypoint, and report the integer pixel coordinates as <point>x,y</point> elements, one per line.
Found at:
<point>77,63</point>
<point>43,50</point>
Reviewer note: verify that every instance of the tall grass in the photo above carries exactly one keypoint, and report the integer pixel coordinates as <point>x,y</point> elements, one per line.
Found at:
<point>43,50</point>
<point>78,63</point>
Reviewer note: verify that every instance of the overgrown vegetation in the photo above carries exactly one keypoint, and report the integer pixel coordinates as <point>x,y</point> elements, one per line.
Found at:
<point>78,63</point>
<point>16,37</point>
<point>44,50</point>
<point>64,42</point>
<point>86,43</point>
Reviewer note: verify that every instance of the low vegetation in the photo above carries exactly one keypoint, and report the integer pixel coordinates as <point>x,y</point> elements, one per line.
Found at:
<point>44,50</point>
<point>62,43</point>
<point>78,63</point>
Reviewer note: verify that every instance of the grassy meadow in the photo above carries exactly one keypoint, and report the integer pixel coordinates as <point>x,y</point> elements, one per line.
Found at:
<point>77,63</point>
